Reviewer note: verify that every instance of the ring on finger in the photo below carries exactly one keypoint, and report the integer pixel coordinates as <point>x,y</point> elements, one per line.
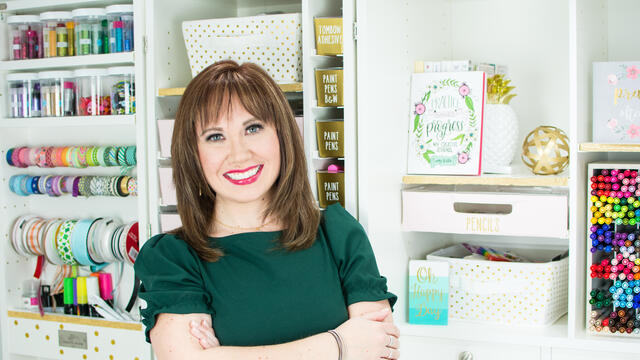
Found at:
<point>390,344</point>
<point>390,356</point>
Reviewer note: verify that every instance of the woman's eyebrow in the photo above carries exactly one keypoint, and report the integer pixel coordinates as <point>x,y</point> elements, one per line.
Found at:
<point>216,128</point>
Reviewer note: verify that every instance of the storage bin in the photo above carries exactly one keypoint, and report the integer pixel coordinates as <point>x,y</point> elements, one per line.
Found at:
<point>91,31</point>
<point>93,97</point>
<point>165,132</point>
<point>440,209</point>
<point>271,41</point>
<point>24,95</point>
<point>329,87</point>
<point>511,293</point>
<point>121,83</point>
<point>120,18</point>
<point>328,35</point>
<point>167,189</point>
<point>24,39</point>
<point>57,33</point>
<point>57,93</point>
<point>330,136</point>
<point>330,188</point>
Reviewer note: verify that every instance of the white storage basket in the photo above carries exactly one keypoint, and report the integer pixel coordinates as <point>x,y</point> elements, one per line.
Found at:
<point>271,41</point>
<point>523,294</point>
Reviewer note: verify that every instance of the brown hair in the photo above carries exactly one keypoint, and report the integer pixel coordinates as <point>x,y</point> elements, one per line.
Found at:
<point>207,96</point>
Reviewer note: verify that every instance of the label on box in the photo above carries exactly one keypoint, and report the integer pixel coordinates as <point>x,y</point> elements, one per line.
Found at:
<point>328,36</point>
<point>72,339</point>
<point>329,87</point>
<point>428,292</point>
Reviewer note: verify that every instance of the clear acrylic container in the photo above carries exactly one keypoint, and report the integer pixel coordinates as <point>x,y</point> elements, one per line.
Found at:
<point>91,31</point>
<point>93,96</point>
<point>24,95</point>
<point>57,33</point>
<point>120,19</point>
<point>57,93</point>
<point>24,37</point>
<point>121,83</point>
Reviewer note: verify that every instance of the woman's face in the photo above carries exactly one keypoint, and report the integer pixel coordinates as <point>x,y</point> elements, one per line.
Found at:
<point>240,155</point>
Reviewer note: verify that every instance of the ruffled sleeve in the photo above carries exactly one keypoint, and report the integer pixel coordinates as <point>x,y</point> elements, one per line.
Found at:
<point>357,267</point>
<point>171,280</point>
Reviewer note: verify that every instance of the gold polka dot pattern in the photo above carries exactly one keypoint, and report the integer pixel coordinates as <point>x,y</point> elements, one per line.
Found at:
<point>528,294</point>
<point>272,41</point>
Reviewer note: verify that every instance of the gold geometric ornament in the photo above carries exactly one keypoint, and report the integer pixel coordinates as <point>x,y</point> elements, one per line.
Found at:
<point>546,150</point>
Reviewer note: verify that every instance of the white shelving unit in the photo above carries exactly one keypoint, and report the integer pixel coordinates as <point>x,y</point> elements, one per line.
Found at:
<point>26,335</point>
<point>169,72</point>
<point>548,47</point>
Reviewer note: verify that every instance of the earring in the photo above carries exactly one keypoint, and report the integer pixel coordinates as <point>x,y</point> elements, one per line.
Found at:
<point>199,192</point>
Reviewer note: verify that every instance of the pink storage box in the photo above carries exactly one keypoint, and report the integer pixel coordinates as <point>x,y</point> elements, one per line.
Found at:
<point>440,209</point>
<point>165,132</point>
<point>167,189</point>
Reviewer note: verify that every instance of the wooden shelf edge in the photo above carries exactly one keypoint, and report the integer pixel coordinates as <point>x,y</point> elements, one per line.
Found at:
<point>598,147</point>
<point>485,180</point>
<point>76,320</point>
<point>178,91</point>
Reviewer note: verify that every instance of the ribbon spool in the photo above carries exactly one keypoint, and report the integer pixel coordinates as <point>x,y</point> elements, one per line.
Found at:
<point>72,156</point>
<point>54,186</point>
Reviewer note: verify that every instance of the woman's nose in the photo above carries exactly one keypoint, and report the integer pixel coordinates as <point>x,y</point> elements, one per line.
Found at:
<point>239,150</point>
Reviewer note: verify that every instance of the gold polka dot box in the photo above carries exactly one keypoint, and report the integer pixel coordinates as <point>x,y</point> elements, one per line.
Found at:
<point>512,293</point>
<point>271,41</point>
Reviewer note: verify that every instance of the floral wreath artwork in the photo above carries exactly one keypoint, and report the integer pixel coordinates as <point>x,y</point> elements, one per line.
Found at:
<point>465,130</point>
<point>624,129</point>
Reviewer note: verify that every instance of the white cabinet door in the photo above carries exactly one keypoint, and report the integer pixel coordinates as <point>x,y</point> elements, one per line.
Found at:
<point>570,354</point>
<point>421,348</point>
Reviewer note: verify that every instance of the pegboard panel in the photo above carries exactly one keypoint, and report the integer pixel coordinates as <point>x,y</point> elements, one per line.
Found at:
<point>66,337</point>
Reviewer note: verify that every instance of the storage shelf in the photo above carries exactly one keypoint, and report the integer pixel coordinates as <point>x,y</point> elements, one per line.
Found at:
<point>28,5</point>
<point>462,331</point>
<point>80,320</point>
<point>106,120</point>
<point>521,176</point>
<point>68,61</point>
<point>287,88</point>
<point>597,147</point>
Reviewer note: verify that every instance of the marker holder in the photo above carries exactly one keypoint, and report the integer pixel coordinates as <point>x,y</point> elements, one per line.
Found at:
<point>613,230</point>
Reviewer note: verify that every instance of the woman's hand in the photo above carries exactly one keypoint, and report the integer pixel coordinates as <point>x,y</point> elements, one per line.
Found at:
<point>203,331</point>
<point>370,338</point>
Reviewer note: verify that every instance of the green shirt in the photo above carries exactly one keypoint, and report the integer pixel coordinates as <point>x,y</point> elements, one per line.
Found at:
<point>260,296</point>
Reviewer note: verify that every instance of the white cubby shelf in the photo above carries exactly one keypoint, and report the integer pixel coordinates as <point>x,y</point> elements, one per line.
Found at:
<point>65,62</point>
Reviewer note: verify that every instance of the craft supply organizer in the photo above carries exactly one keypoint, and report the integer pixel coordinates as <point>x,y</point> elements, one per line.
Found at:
<point>540,42</point>
<point>77,186</point>
<point>613,289</point>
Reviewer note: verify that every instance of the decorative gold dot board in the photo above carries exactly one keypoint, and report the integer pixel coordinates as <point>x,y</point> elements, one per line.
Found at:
<point>74,337</point>
<point>271,41</point>
<point>546,150</point>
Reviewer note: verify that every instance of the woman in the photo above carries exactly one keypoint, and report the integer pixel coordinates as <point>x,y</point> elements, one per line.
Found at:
<point>254,255</point>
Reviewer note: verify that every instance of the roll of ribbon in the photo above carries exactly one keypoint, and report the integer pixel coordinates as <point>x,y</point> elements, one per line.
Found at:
<point>79,242</point>
<point>64,242</point>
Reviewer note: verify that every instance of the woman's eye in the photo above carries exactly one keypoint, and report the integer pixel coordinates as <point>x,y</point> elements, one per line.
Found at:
<point>214,137</point>
<point>252,129</point>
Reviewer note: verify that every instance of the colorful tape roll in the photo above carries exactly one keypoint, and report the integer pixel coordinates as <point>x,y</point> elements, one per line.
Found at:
<point>120,186</point>
<point>72,156</point>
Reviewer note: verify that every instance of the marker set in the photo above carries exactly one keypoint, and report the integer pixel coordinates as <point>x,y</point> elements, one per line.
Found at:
<point>613,232</point>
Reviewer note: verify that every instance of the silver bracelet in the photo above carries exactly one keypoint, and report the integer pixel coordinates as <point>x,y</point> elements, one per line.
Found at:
<point>338,340</point>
